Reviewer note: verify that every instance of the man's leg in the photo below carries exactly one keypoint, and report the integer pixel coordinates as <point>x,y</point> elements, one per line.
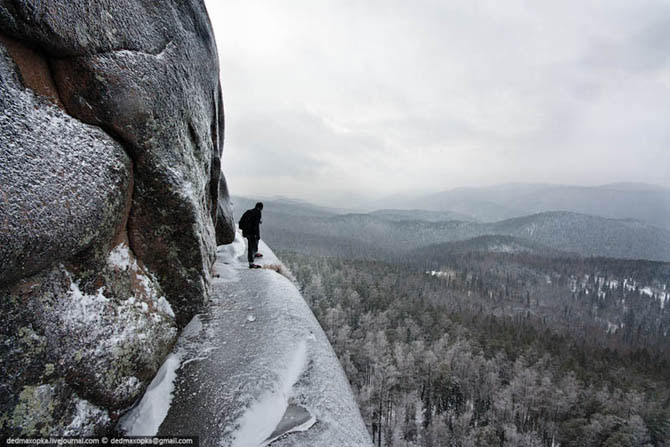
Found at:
<point>255,244</point>
<point>251,251</point>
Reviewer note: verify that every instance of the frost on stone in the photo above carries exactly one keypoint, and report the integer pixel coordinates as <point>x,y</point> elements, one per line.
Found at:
<point>119,257</point>
<point>83,309</point>
<point>110,340</point>
<point>87,417</point>
<point>146,283</point>
<point>66,182</point>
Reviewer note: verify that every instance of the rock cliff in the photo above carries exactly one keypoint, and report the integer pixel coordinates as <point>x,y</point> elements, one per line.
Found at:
<point>111,201</point>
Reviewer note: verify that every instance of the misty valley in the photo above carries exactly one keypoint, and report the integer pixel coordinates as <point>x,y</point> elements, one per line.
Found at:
<point>542,330</point>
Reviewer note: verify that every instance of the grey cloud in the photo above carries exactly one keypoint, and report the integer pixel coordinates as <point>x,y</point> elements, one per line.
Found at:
<point>389,95</point>
<point>293,142</point>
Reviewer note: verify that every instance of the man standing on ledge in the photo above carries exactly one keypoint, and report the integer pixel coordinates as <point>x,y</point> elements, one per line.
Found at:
<point>250,224</point>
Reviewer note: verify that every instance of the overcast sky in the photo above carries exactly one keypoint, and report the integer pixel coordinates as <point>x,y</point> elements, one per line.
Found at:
<point>328,97</point>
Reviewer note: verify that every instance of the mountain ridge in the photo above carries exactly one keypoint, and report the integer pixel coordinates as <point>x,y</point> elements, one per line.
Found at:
<point>650,203</point>
<point>567,231</point>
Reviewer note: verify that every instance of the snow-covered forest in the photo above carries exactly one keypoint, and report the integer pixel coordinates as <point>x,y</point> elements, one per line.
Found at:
<point>499,349</point>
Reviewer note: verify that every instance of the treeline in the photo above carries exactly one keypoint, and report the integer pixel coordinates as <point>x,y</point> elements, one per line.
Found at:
<point>488,354</point>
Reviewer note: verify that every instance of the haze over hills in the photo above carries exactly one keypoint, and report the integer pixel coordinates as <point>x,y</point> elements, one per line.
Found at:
<point>490,243</point>
<point>649,203</point>
<point>378,234</point>
<point>425,215</point>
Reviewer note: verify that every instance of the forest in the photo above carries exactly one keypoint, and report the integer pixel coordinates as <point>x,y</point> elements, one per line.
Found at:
<point>477,348</point>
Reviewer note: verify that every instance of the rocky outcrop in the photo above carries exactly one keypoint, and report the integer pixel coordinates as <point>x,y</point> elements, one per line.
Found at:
<point>111,201</point>
<point>147,73</point>
<point>225,225</point>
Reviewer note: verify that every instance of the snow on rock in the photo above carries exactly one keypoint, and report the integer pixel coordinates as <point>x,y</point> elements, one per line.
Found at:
<point>119,257</point>
<point>103,327</point>
<point>83,309</point>
<point>87,417</point>
<point>192,329</point>
<point>295,419</point>
<point>146,283</point>
<point>147,415</point>
<point>101,331</point>
<point>145,76</point>
<point>227,262</point>
<point>93,335</point>
<point>261,418</point>
<point>162,305</point>
<point>241,382</point>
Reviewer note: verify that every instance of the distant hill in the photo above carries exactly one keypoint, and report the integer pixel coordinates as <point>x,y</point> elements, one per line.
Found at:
<point>493,243</point>
<point>288,225</point>
<point>282,206</point>
<point>648,203</point>
<point>428,216</point>
<point>590,235</point>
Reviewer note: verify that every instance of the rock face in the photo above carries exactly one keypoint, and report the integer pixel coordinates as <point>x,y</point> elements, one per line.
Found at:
<point>111,201</point>
<point>64,184</point>
<point>225,224</point>
<point>147,73</point>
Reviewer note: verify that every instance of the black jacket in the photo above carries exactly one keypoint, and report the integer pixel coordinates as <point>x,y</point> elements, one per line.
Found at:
<point>250,223</point>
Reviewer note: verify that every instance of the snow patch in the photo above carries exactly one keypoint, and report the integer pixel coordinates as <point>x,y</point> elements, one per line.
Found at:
<point>189,191</point>
<point>261,418</point>
<point>299,428</point>
<point>227,260</point>
<point>103,330</point>
<point>442,274</point>
<point>85,420</point>
<point>83,308</point>
<point>146,417</point>
<point>119,257</point>
<point>611,327</point>
<point>193,327</point>
<point>229,253</point>
<point>506,248</point>
<point>162,305</point>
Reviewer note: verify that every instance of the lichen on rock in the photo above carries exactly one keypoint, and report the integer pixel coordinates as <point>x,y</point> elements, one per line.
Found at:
<point>104,343</point>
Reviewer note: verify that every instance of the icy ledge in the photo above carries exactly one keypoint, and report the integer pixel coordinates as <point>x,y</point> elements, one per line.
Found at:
<point>254,369</point>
